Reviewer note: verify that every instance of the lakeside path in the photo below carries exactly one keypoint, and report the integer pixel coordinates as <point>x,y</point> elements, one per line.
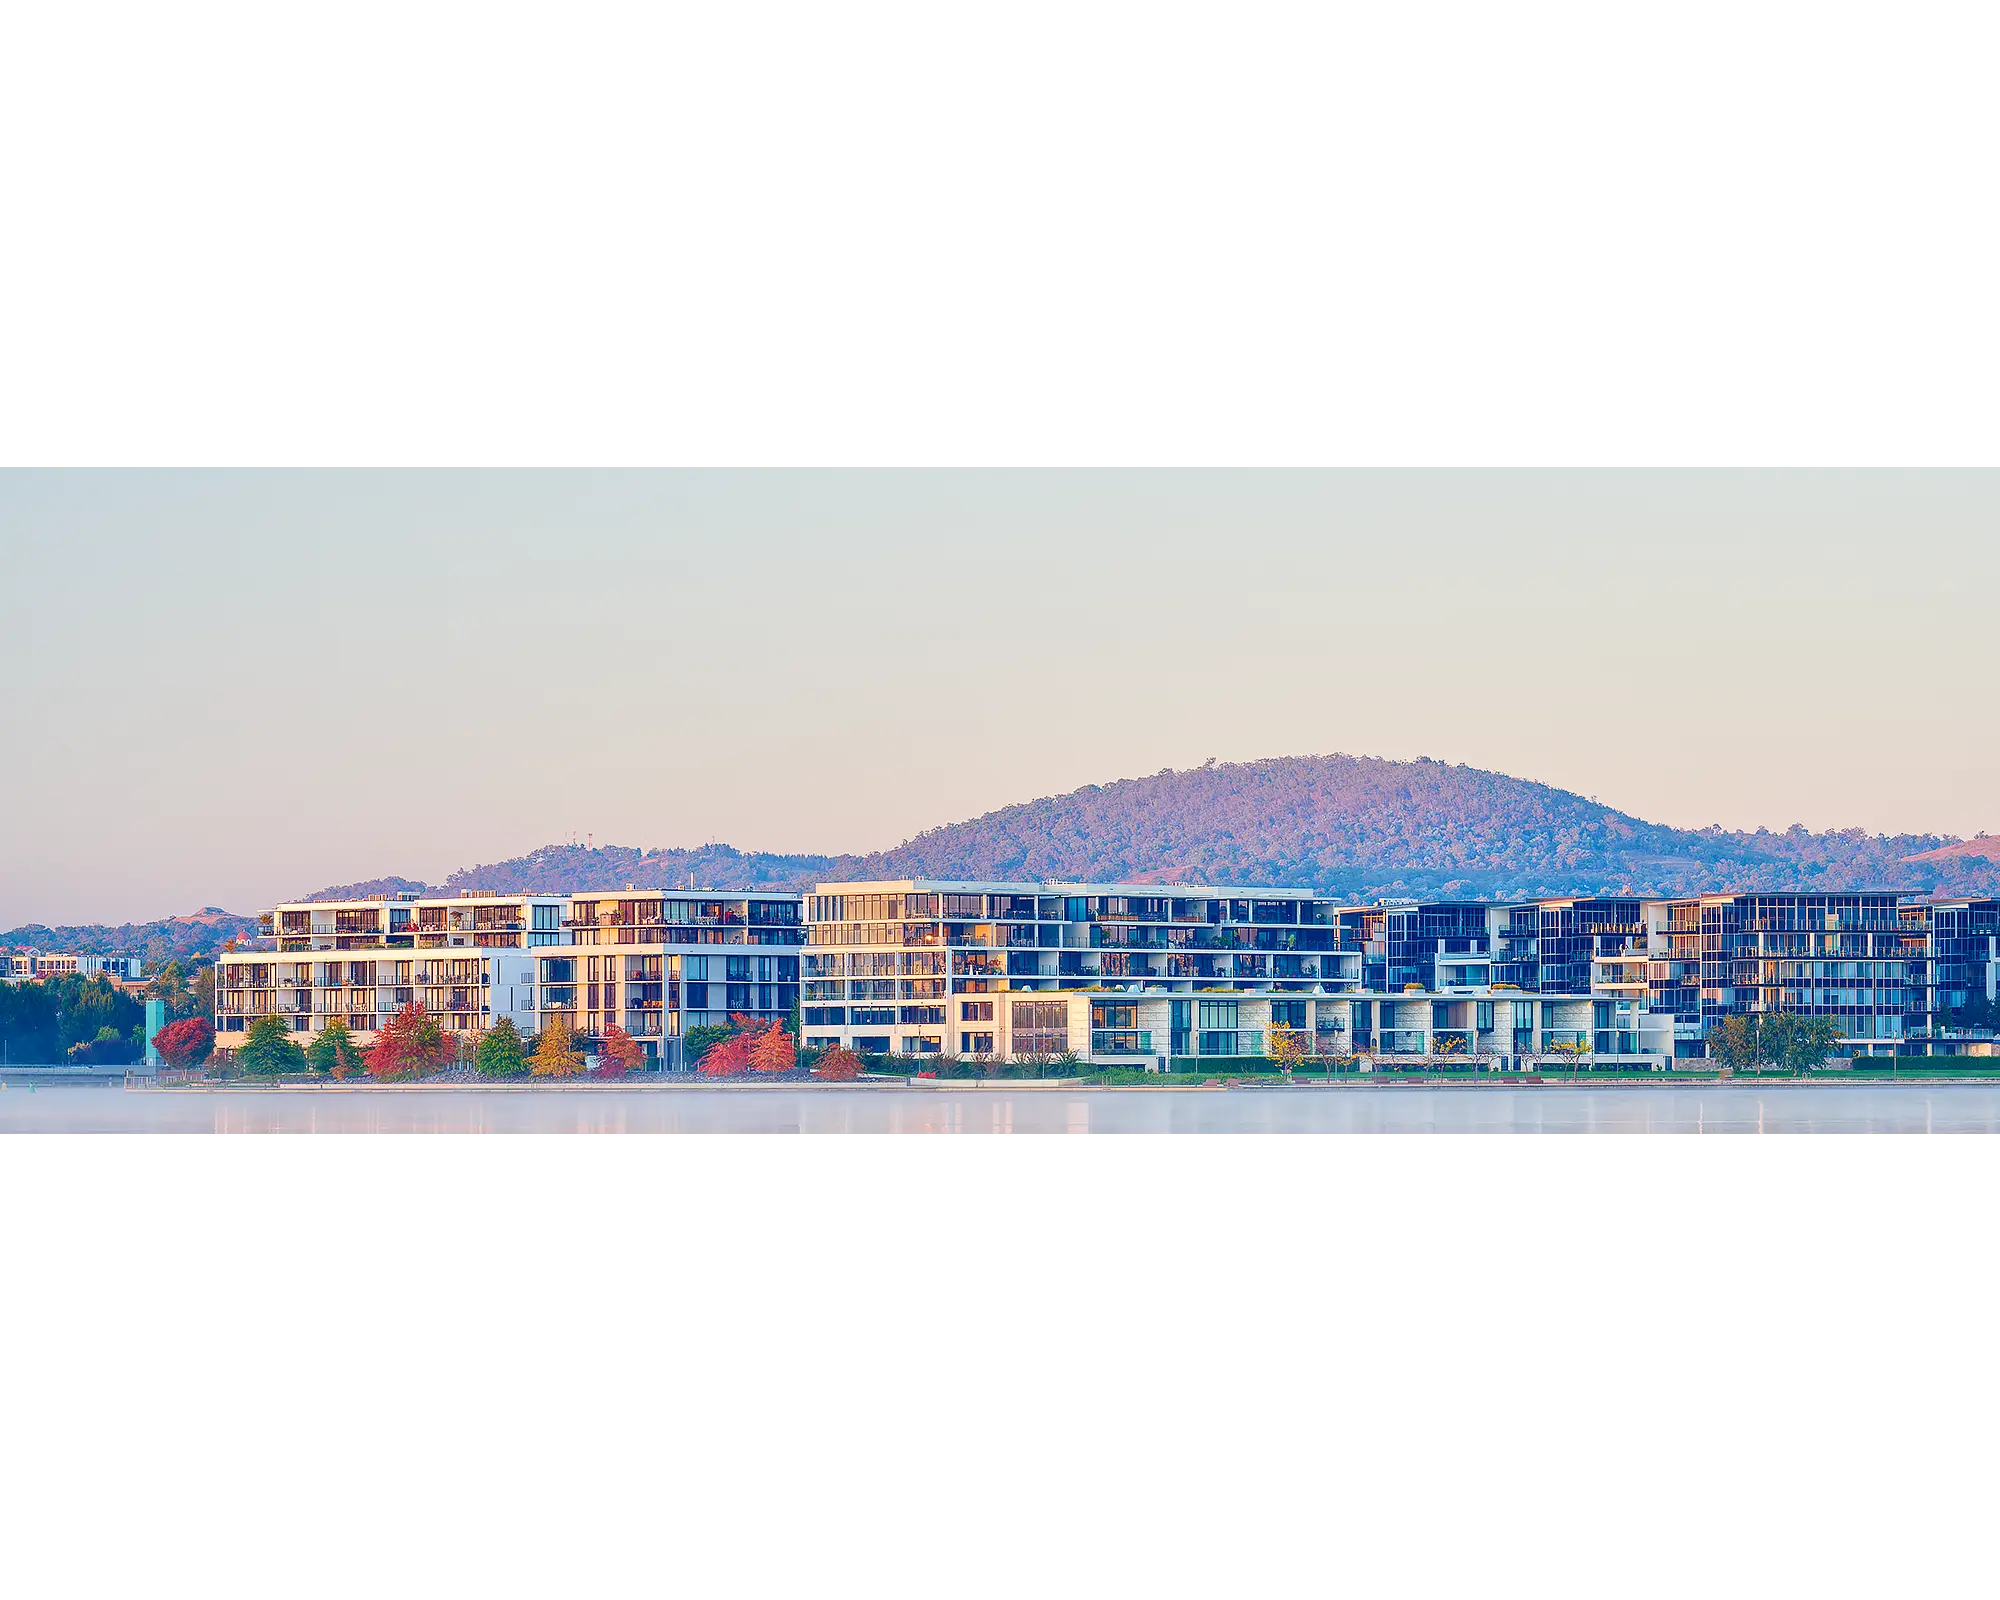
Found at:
<point>1000,1108</point>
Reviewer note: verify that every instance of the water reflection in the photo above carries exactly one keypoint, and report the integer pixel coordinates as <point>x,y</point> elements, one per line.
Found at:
<point>1702,1109</point>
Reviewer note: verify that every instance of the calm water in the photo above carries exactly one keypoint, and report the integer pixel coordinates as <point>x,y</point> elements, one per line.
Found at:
<point>1946,1108</point>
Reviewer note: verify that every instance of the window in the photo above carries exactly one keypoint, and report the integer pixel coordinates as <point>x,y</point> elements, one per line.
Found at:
<point>1041,1027</point>
<point>695,968</point>
<point>922,1016</point>
<point>975,1011</point>
<point>1217,1014</point>
<point>975,1044</point>
<point>1288,1013</point>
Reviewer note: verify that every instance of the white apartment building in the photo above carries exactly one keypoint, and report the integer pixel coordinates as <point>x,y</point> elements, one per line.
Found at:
<point>1144,975</point>
<point>26,966</point>
<point>659,962</point>
<point>653,962</point>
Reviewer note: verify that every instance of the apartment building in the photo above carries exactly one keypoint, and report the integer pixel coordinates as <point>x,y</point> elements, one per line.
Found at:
<point>27,966</point>
<point>1145,975</point>
<point>651,962</point>
<point>411,922</point>
<point>660,962</point>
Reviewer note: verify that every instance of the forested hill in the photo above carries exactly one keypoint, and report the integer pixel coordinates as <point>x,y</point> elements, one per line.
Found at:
<point>1366,827</point>
<point>1352,824</point>
<point>200,933</point>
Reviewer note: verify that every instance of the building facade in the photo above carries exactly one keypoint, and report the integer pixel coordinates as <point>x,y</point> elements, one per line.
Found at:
<point>27,966</point>
<point>1133,973</point>
<point>651,962</point>
<point>1149,976</point>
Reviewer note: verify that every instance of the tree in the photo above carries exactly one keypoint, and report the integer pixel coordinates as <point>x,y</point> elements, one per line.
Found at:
<point>333,1050</point>
<point>500,1053</point>
<point>1287,1046</point>
<point>619,1053</point>
<point>1574,1049</point>
<point>772,1052</point>
<point>269,1049</point>
<point>109,1048</point>
<point>1734,1043</point>
<point>184,1045</point>
<point>697,1042</point>
<point>409,1045</point>
<point>1799,1044</point>
<point>728,1057</point>
<point>556,1054</point>
<point>838,1065</point>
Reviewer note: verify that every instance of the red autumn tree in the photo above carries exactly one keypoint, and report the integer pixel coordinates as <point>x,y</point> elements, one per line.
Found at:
<point>186,1043</point>
<point>409,1045</point>
<point>726,1058</point>
<point>618,1053</point>
<point>772,1052</point>
<point>838,1065</point>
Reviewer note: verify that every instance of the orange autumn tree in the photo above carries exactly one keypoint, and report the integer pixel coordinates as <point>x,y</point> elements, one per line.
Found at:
<point>772,1052</point>
<point>409,1045</point>
<point>618,1053</point>
<point>556,1055</point>
<point>838,1065</point>
<point>726,1058</point>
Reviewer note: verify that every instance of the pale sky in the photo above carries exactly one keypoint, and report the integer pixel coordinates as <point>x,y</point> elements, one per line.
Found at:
<point>222,688</point>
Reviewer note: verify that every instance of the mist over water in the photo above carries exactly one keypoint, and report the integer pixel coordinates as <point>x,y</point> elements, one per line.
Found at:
<point>1703,1109</point>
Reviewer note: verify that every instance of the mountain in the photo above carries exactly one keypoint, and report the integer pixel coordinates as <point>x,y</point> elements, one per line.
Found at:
<point>1355,825</point>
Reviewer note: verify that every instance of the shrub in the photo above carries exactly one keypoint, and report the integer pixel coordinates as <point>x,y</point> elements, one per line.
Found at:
<point>838,1065</point>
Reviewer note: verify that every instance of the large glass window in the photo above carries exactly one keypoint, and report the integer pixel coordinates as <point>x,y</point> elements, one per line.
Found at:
<point>1217,1014</point>
<point>1040,1027</point>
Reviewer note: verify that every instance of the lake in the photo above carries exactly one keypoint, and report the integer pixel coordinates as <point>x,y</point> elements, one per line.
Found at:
<point>1704,1108</point>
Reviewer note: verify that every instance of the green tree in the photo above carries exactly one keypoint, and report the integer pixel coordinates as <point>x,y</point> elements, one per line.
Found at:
<point>1734,1043</point>
<point>500,1052</point>
<point>1799,1044</point>
<point>333,1050</point>
<point>269,1049</point>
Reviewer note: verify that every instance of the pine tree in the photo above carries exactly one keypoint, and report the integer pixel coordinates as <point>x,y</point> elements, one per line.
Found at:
<point>500,1054</point>
<point>269,1049</point>
<point>333,1050</point>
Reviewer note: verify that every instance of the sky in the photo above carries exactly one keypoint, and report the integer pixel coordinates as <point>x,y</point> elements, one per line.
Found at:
<point>225,687</point>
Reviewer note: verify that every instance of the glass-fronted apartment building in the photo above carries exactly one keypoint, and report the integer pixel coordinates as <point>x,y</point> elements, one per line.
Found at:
<point>1149,975</point>
<point>661,962</point>
<point>652,962</point>
<point>1143,974</point>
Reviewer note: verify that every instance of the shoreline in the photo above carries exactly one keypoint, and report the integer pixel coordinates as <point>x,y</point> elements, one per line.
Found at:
<point>1050,1086</point>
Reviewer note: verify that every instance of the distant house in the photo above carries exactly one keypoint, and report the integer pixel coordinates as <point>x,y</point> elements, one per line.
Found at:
<point>25,966</point>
